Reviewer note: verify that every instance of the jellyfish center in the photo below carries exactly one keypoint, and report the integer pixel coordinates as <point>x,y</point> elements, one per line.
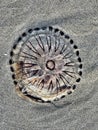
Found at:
<point>50,64</point>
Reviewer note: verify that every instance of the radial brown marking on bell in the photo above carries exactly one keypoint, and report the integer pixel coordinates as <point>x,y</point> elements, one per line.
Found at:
<point>35,81</point>
<point>50,85</point>
<point>34,72</point>
<point>71,41</point>
<point>17,70</point>
<point>78,80</point>
<point>41,84</point>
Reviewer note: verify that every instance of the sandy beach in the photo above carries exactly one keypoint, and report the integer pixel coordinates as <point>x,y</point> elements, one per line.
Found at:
<point>78,19</point>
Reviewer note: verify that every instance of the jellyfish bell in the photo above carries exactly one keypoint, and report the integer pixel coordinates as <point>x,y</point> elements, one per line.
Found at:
<point>46,65</point>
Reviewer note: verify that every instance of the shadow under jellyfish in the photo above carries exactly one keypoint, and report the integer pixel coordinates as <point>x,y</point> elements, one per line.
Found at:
<point>46,65</point>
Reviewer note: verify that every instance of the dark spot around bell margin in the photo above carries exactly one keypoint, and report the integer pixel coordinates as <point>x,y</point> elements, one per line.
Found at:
<point>11,61</point>
<point>11,53</point>
<point>80,73</point>
<point>78,80</point>
<point>24,34</point>
<point>50,28</point>
<point>79,59</point>
<point>63,96</point>
<point>77,53</point>
<point>44,28</point>
<point>63,86</point>
<point>15,82</point>
<point>30,30</point>
<point>14,46</point>
<point>71,41</point>
<point>62,33</point>
<point>68,87</point>
<point>36,29</point>
<point>19,39</point>
<point>74,86</point>
<point>13,76</point>
<point>69,92</point>
<point>75,47</point>
<point>12,69</point>
<point>66,36</point>
<point>56,30</point>
<point>80,66</point>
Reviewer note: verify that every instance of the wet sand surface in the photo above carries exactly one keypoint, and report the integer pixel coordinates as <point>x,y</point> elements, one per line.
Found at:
<point>77,18</point>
